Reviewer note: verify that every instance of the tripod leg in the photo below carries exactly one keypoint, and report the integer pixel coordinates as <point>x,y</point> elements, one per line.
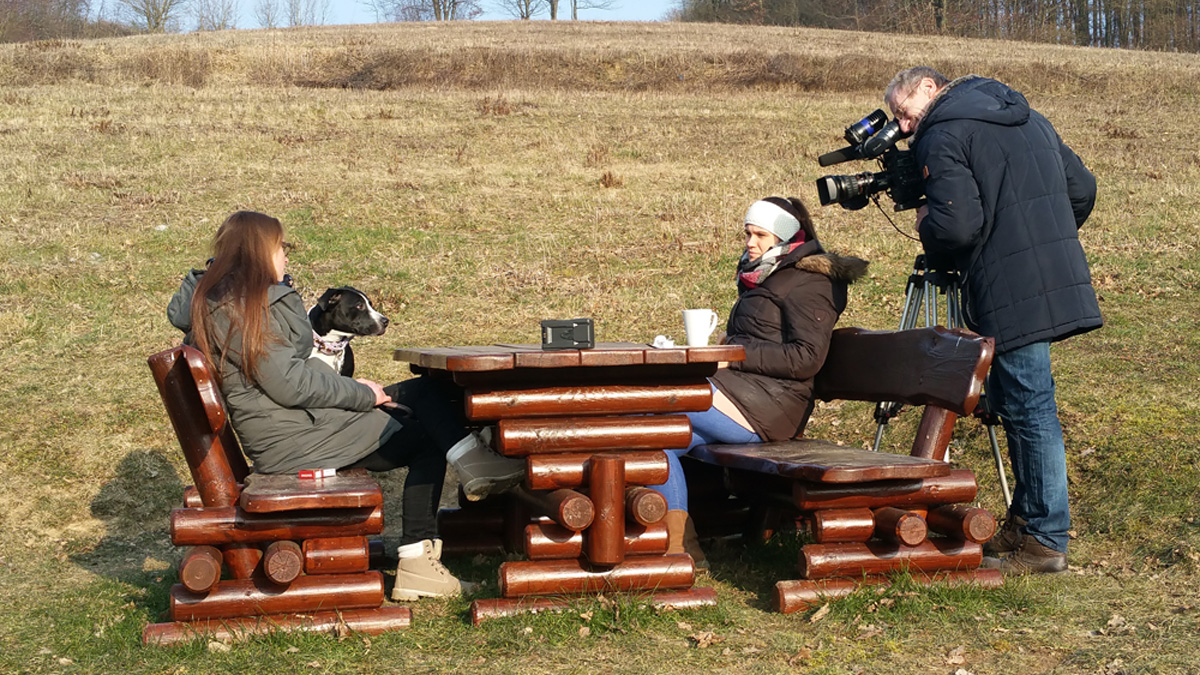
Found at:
<point>999,465</point>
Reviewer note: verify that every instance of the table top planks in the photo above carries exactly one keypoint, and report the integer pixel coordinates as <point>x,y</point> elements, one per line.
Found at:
<point>512,356</point>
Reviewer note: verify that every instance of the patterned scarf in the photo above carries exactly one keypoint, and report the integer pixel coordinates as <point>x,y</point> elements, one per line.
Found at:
<point>751,273</point>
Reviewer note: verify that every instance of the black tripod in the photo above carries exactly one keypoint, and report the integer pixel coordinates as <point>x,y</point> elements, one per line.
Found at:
<point>926,282</point>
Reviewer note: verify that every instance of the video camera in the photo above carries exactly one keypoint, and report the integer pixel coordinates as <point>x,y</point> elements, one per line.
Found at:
<point>873,137</point>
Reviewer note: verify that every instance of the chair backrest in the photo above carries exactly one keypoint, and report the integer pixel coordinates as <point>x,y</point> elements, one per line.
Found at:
<point>924,366</point>
<point>194,404</point>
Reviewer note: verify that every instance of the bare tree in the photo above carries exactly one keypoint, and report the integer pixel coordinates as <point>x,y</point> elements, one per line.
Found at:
<point>267,13</point>
<point>215,14</point>
<point>605,5</point>
<point>307,12</point>
<point>156,16</point>
<point>521,9</point>
<point>455,10</point>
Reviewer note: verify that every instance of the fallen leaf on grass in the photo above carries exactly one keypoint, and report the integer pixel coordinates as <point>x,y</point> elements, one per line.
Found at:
<point>214,646</point>
<point>683,625</point>
<point>705,639</point>
<point>819,614</point>
<point>956,656</point>
<point>586,616</point>
<point>1116,621</point>
<point>584,631</point>
<point>803,655</point>
<point>869,631</point>
<point>963,671</point>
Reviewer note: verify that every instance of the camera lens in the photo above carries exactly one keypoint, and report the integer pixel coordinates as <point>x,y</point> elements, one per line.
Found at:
<point>866,127</point>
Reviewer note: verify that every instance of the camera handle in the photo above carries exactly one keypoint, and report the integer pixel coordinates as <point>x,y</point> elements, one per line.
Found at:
<point>921,293</point>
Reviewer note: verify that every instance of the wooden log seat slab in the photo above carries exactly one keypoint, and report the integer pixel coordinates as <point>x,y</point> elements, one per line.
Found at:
<point>257,596</point>
<point>533,357</point>
<point>957,487</point>
<point>563,401</point>
<point>573,577</point>
<point>551,472</point>
<point>820,461</point>
<point>547,541</point>
<point>801,594</point>
<point>819,561</point>
<point>522,437</point>
<point>364,621</point>
<point>270,493</point>
<point>496,608</point>
<point>927,366</point>
<point>231,524</point>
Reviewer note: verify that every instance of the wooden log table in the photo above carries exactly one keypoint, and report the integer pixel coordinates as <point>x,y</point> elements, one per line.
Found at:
<point>592,426</point>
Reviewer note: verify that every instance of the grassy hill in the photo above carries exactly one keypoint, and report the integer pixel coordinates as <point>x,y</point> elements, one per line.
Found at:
<point>476,178</point>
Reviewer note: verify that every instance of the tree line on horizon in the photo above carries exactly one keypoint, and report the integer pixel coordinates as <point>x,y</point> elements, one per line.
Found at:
<point>1164,25</point>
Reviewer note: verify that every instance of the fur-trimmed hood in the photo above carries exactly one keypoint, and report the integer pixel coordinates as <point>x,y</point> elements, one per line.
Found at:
<point>847,269</point>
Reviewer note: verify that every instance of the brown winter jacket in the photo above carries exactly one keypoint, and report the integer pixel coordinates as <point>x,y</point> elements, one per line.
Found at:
<point>785,325</point>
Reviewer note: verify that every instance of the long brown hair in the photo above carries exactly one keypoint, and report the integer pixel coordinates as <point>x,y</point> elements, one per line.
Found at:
<point>241,273</point>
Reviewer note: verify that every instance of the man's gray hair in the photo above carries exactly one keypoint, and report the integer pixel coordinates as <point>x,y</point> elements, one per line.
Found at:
<point>905,80</point>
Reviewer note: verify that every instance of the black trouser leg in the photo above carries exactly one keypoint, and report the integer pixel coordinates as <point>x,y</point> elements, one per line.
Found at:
<point>413,448</point>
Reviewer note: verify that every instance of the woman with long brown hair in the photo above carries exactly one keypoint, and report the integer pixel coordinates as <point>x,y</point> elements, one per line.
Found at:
<point>293,413</point>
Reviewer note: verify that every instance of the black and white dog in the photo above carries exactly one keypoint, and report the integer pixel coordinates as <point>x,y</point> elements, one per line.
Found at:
<point>341,314</point>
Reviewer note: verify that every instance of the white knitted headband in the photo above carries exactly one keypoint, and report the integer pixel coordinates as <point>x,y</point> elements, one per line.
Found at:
<point>773,219</point>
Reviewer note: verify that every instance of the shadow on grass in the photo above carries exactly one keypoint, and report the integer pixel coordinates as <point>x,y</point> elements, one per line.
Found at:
<point>136,550</point>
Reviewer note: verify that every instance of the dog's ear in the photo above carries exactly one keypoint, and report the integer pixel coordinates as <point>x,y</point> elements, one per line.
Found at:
<point>330,298</point>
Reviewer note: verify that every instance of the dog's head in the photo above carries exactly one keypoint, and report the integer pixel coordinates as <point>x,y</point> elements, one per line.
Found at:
<point>346,310</point>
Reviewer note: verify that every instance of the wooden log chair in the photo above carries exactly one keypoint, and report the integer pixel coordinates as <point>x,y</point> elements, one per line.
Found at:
<point>870,513</point>
<point>265,552</point>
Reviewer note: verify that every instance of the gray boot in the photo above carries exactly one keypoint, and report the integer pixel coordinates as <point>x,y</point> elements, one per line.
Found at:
<point>481,470</point>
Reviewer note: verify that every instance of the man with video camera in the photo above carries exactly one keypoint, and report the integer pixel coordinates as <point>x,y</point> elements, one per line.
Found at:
<point>1006,198</point>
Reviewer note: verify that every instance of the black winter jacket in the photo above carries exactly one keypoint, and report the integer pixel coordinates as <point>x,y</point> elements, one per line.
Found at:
<point>1006,200</point>
<point>785,325</point>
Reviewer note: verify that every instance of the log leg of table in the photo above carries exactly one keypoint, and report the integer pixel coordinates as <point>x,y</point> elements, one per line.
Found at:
<point>644,506</point>
<point>336,555</point>
<point>572,577</point>
<point>283,561</point>
<point>604,541</point>
<point>495,608</point>
<point>241,559</point>
<point>840,525</point>
<point>548,541</point>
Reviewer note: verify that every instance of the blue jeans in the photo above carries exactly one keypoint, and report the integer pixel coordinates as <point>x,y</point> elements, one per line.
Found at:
<point>1021,390</point>
<point>710,426</point>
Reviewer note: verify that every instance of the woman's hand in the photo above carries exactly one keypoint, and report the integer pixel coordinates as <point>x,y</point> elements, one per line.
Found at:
<point>380,397</point>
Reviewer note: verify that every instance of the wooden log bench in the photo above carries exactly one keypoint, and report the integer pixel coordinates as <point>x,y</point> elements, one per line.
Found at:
<point>267,552</point>
<point>592,426</point>
<point>869,513</point>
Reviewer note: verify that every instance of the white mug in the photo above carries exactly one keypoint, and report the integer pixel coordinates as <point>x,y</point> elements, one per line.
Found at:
<point>699,324</point>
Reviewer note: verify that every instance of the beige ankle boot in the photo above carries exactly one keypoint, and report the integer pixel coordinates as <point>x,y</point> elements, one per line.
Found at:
<point>681,537</point>
<point>420,573</point>
<point>481,470</point>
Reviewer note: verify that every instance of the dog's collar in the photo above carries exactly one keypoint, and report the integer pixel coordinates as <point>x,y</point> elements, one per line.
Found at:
<point>330,347</point>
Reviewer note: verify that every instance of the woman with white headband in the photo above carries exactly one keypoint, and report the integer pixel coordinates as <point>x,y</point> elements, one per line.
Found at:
<point>790,294</point>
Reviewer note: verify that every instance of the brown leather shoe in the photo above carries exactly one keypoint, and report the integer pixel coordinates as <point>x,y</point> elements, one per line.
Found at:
<point>1031,558</point>
<point>1008,538</point>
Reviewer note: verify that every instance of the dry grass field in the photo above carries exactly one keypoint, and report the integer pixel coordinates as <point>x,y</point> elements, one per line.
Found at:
<point>476,178</point>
